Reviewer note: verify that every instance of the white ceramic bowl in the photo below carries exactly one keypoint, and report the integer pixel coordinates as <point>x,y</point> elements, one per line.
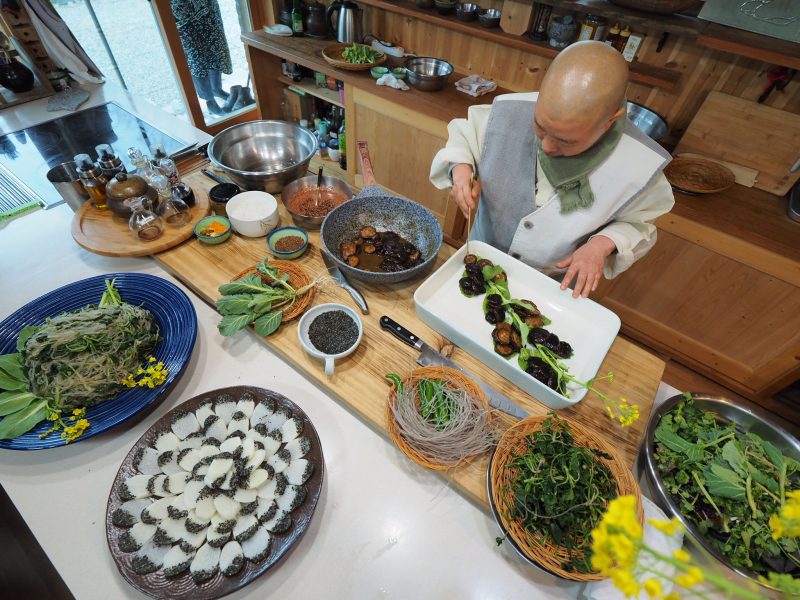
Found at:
<point>253,214</point>
<point>305,342</point>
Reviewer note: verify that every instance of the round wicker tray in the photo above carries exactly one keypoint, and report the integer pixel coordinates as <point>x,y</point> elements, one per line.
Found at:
<point>545,553</point>
<point>333,55</point>
<point>457,380</point>
<point>297,279</point>
<point>698,176</point>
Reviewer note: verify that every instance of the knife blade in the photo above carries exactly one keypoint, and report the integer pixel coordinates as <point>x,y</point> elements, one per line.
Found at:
<point>342,281</point>
<point>428,356</point>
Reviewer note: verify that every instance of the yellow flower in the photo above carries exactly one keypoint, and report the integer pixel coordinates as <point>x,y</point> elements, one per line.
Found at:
<point>682,555</point>
<point>672,596</point>
<point>670,527</point>
<point>691,577</point>
<point>77,412</point>
<point>786,523</point>
<point>615,541</point>
<point>653,588</point>
<point>625,582</point>
<point>152,359</point>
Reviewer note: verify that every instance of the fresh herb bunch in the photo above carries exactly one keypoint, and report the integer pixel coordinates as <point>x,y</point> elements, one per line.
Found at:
<point>728,483</point>
<point>560,491</point>
<point>250,300</point>
<point>359,54</point>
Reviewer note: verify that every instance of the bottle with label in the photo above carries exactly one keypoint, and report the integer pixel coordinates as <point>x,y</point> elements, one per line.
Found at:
<point>613,33</point>
<point>92,179</point>
<point>109,163</point>
<point>342,146</point>
<point>297,19</point>
<point>622,39</point>
<point>180,190</point>
<point>590,27</point>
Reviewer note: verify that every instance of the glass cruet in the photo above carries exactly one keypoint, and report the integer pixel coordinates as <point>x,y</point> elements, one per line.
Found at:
<point>173,210</point>
<point>144,223</point>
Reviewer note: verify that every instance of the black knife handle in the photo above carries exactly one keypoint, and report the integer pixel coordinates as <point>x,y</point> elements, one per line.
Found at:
<point>401,332</point>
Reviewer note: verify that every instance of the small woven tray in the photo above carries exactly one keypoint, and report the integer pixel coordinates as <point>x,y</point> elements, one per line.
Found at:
<point>457,380</point>
<point>333,55</point>
<point>698,176</point>
<point>297,279</point>
<point>512,444</point>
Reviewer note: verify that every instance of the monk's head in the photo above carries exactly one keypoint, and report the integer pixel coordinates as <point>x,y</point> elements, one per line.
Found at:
<point>580,98</point>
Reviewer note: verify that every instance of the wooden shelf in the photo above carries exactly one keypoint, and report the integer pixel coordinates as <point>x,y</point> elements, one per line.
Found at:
<point>639,72</point>
<point>310,88</point>
<point>752,45</point>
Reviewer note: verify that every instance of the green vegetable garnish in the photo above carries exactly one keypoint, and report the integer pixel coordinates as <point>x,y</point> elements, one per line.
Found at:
<point>360,55</point>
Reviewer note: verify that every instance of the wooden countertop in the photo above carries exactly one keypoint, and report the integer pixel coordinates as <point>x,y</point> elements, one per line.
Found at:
<point>359,383</point>
<point>446,104</point>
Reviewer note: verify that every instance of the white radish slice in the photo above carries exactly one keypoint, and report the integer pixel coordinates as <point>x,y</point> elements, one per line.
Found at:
<point>168,461</point>
<point>135,487</point>
<point>205,563</point>
<point>187,459</point>
<point>278,418</point>
<point>226,483</point>
<point>257,478</point>
<point>156,484</point>
<point>166,441</point>
<point>146,461</point>
<point>205,410</point>
<point>156,511</point>
<point>298,447</point>
<point>248,448</point>
<point>273,488</point>
<point>291,429</point>
<point>230,445</point>
<point>218,429</point>
<point>291,498</point>
<point>184,424</point>
<point>280,521</point>
<point>224,409</point>
<point>194,440</point>
<point>206,451</point>
<point>243,496</point>
<point>192,491</point>
<point>218,468</point>
<point>205,508</point>
<point>231,559</point>
<point>130,512</point>
<point>227,508</point>
<point>169,531</point>
<point>176,483</point>
<point>246,404</point>
<point>261,413</point>
<point>199,471</point>
<point>256,460</point>
<point>256,547</point>
<point>176,561</point>
<point>222,525</point>
<point>245,527</point>
<point>266,509</point>
<point>299,471</point>
<point>217,539</point>
<point>191,541</point>
<point>279,461</point>
<point>239,422</point>
<point>136,537</point>
<point>194,523</point>
<point>149,558</point>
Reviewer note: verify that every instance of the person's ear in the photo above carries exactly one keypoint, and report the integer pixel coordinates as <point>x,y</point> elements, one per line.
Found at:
<point>622,110</point>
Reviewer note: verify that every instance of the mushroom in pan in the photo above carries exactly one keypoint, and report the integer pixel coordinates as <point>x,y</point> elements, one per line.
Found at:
<point>348,249</point>
<point>368,232</point>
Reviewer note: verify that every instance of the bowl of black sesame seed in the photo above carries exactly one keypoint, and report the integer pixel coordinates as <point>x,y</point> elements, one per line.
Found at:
<point>330,332</point>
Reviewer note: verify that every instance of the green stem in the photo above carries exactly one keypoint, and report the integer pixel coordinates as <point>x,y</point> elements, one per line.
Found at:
<point>710,500</point>
<point>749,492</point>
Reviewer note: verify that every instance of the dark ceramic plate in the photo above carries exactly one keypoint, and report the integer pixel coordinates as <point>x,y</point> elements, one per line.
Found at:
<point>158,585</point>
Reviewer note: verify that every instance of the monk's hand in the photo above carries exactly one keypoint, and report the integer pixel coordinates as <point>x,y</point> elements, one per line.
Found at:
<point>466,190</point>
<point>586,265</point>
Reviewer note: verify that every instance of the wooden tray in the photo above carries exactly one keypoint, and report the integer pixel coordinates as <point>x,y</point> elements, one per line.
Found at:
<point>103,232</point>
<point>157,584</point>
<point>333,55</point>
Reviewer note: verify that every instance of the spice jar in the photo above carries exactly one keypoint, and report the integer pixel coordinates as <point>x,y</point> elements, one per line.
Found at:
<point>92,180</point>
<point>593,27</point>
<point>122,188</point>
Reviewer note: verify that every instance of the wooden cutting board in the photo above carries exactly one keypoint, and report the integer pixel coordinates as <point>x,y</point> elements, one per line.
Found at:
<point>749,134</point>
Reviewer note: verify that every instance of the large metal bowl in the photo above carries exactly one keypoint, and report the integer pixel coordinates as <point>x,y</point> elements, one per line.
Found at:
<point>263,155</point>
<point>413,221</point>
<point>427,73</point>
<point>650,122</point>
<point>727,412</point>
<point>311,182</point>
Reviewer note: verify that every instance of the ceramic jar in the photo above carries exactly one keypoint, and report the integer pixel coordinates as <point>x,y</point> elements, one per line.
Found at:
<point>122,188</point>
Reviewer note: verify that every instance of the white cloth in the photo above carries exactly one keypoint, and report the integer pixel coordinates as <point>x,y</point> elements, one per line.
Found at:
<point>632,231</point>
<point>390,80</point>
<point>475,85</point>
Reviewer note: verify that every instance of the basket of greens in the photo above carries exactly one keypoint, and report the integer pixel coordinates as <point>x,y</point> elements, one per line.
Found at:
<point>724,470</point>
<point>352,57</point>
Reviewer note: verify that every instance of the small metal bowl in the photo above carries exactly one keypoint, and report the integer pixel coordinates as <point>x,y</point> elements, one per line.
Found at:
<point>466,11</point>
<point>445,7</point>
<point>489,18</point>
<point>283,232</point>
<point>293,188</point>
<point>427,73</point>
<point>726,412</point>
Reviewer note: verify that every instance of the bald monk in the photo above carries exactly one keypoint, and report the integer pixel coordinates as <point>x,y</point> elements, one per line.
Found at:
<point>566,184</point>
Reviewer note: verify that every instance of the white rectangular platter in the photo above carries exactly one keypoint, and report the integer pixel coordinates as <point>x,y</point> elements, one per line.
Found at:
<point>587,326</point>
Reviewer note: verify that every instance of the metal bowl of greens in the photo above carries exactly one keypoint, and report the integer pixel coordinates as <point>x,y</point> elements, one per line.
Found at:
<point>723,470</point>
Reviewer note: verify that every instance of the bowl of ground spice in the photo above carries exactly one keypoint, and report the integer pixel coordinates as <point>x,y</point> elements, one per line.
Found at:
<point>287,242</point>
<point>330,332</point>
<point>213,229</point>
<point>309,210</point>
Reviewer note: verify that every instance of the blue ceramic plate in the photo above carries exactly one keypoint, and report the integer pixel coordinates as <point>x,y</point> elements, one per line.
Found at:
<point>176,319</point>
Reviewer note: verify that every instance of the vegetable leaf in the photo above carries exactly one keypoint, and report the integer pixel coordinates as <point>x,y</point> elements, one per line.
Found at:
<point>111,296</point>
<point>724,482</point>
<point>267,324</point>
<point>230,324</point>
<point>11,402</point>
<point>491,271</point>
<point>734,457</point>
<point>11,383</point>
<point>23,420</point>
<point>11,365</point>
<point>235,304</point>
<point>261,305</point>
<point>25,334</point>
<point>773,454</point>
<point>251,284</point>
<point>673,441</point>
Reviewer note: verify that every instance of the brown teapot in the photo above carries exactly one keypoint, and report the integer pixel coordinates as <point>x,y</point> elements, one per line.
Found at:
<point>316,25</point>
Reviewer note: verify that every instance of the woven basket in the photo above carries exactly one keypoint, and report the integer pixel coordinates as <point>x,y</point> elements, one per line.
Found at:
<point>456,380</point>
<point>333,55</point>
<point>297,279</point>
<point>662,7</point>
<point>699,176</point>
<point>512,444</point>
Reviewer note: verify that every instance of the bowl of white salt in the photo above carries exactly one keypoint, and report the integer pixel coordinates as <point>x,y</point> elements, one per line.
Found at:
<point>253,213</point>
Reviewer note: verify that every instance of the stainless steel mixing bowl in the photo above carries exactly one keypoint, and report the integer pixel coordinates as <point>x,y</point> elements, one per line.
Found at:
<point>263,155</point>
<point>427,73</point>
<point>311,182</point>
<point>650,122</point>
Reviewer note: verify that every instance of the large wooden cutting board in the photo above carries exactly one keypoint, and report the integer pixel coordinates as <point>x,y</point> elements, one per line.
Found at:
<point>749,134</point>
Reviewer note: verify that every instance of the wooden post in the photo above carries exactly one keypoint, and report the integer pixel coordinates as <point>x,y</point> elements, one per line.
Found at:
<point>517,16</point>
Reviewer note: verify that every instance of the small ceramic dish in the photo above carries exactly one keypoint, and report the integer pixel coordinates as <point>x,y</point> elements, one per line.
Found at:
<point>399,72</point>
<point>305,341</point>
<point>204,223</point>
<point>378,72</point>
<point>253,213</point>
<point>284,232</point>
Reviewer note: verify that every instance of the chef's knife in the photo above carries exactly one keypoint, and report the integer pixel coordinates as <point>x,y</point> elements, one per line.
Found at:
<point>342,281</point>
<point>429,356</point>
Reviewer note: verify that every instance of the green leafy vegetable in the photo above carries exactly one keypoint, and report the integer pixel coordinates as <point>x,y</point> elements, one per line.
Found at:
<point>12,401</point>
<point>359,54</point>
<point>23,420</point>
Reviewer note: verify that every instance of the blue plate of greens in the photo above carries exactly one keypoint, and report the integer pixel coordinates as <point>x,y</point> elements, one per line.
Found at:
<point>168,334</point>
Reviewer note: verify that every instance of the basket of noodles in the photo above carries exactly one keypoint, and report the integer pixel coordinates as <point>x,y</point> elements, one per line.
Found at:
<point>439,417</point>
<point>550,481</point>
<point>297,278</point>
